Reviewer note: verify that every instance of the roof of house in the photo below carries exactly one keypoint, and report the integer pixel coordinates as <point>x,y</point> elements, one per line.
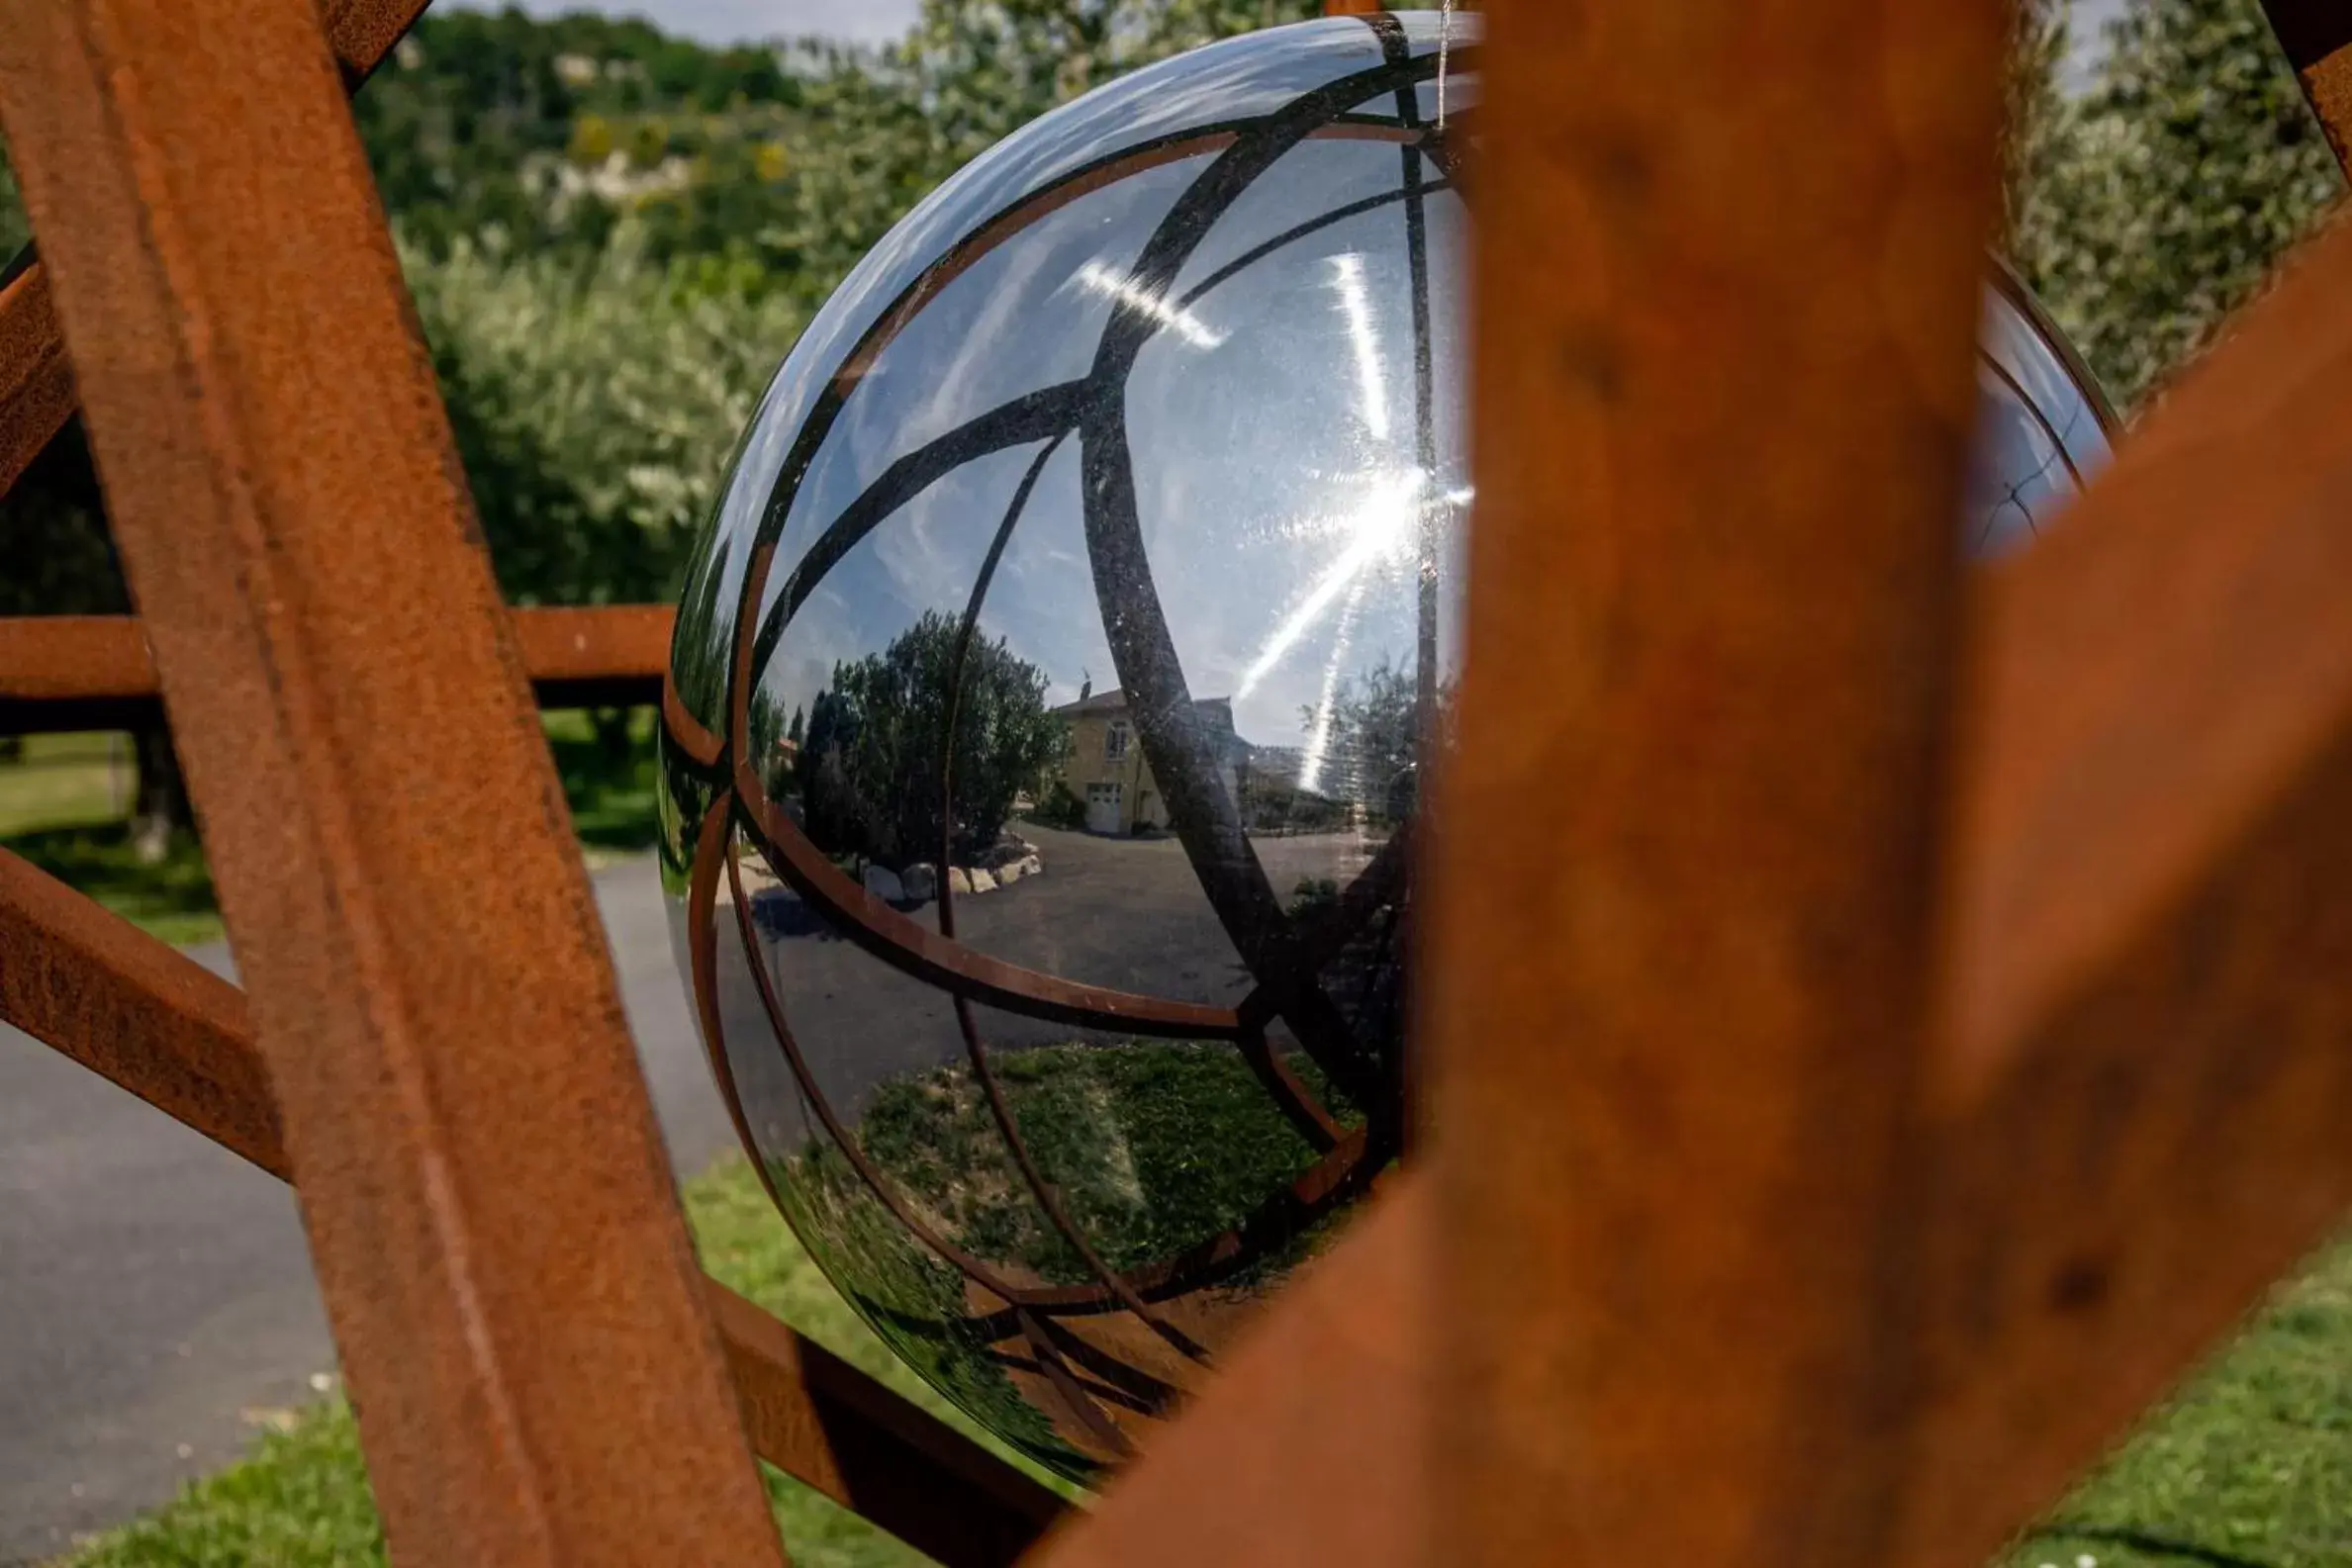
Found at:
<point>1114,701</point>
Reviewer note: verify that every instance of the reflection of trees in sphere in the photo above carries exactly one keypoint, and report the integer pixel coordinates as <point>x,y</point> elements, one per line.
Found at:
<point>1048,703</point>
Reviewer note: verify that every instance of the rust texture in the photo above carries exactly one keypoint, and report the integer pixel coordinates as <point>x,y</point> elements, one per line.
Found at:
<point>95,672</point>
<point>138,1013</point>
<point>1310,1446</point>
<point>1725,399</point>
<point>1864,1123</point>
<point>37,394</point>
<point>429,979</point>
<point>36,391</point>
<point>2316,36</point>
<point>2142,1085</point>
<point>153,1021</point>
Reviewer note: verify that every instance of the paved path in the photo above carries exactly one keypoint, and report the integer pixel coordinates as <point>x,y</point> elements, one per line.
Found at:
<point>154,1289</point>
<point>1124,913</point>
<point>155,1292</point>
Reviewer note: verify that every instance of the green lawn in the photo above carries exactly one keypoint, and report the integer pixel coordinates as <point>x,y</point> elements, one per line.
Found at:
<point>63,780</point>
<point>62,808</point>
<point>300,1500</point>
<point>2249,1467</point>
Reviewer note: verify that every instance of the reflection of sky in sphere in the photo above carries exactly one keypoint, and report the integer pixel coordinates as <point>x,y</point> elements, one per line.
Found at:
<point>1273,420</point>
<point>1273,416</point>
<point>2038,438</point>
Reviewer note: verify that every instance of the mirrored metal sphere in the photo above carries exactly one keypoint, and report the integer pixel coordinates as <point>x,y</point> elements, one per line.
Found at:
<point>1049,699</point>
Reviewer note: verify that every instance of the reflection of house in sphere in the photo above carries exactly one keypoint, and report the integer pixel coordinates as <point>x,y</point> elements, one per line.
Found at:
<point>1048,703</point>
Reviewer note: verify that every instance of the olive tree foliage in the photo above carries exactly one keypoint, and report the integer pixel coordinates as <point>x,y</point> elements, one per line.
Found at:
<point>2148,209</point>
<point>983,70</point>
<point>594,407</point>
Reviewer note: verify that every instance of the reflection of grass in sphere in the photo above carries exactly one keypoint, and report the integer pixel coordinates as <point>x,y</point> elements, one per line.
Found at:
<point>1153,1146</point>
<point>913,1300</point>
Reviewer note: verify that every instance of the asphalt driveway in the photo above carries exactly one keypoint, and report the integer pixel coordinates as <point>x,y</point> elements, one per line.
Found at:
<point>156,1294</point>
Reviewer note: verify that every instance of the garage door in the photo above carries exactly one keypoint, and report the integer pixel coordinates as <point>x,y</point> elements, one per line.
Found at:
<point>1103,807</point>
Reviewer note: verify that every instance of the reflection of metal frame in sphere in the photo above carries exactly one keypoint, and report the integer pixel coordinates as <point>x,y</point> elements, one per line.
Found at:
<point>1286,956</point>
<point>2011,288</point>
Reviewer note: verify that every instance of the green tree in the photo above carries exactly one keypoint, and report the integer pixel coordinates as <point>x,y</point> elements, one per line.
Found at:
<point>1372,751</point>
<point>983,71</point>
<point>2155,205</point>
<point>878,739</point>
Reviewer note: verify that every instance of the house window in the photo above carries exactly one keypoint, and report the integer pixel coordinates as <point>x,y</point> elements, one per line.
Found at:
<point>1114,743</point>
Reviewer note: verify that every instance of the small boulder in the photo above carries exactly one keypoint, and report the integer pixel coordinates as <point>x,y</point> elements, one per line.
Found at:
<point>959,880</point>
<point>1031,864</point>
<point>1010,871</point>
<point>884,883</point>
<point>921,882</point>
<point>982,881</point>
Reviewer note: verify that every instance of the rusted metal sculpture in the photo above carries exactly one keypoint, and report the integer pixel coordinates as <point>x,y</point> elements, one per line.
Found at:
<point>1932,1039</point>
<point>1302,249</point>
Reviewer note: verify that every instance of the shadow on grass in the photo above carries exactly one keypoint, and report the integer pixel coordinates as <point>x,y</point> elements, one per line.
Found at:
<point>2142,1542</point>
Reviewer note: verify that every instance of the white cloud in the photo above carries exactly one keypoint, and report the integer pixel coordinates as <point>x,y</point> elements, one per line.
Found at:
<point>742,21</point>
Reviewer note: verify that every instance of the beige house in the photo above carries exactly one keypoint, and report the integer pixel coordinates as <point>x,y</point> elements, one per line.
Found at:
<point>1103,764</point>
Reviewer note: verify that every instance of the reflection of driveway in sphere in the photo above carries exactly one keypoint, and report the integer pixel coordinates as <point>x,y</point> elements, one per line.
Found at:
<point>1121,912</point>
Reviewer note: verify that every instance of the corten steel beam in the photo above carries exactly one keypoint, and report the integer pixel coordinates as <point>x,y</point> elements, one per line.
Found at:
<point>154,1022</point>
<point>2142,1087</point>
<point>1725,394</point>
<point>2133,1113</point>
<point>94,672</point>
<point>1312,1445</point>
<point>37,393</point>
<point>489,1210</point>
<point>2318,38</point>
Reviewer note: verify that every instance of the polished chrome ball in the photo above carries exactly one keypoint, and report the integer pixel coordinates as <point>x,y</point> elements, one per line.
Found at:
<point>1048,703</point>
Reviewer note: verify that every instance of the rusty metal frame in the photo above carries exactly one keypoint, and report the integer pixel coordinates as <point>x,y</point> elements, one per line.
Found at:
<point>96,672</point>
<point>2316,36</point>
<point>162,1025</point>
<point>36,390</point>
<point>1976,861</point>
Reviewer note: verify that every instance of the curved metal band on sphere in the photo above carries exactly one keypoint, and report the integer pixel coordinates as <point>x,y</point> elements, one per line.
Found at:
<point>1058,1195</point>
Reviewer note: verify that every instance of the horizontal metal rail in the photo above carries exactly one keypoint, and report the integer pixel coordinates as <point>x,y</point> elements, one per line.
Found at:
<point>150,1020</point>
<point>61,673</point>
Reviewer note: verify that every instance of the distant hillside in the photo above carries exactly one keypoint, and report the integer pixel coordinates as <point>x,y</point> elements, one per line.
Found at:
<point>549,133</point>
<point>784,163</point>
